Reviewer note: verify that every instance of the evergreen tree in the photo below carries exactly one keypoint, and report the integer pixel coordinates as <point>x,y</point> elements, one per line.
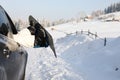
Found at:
<point>112,8</point>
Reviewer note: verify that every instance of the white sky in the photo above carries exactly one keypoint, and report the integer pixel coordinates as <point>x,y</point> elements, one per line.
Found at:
<point>52,9</point>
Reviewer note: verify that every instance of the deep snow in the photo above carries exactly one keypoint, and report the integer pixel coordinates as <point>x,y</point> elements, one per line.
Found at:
<point>80,57</point>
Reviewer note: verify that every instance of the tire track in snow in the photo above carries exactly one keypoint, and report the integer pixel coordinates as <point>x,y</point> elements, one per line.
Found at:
<point>42,65</point>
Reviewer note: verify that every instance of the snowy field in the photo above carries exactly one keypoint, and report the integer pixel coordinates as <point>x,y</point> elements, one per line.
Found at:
<point>80,57</point>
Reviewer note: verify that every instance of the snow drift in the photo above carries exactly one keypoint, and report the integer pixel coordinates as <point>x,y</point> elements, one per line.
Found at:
<point>80,57</point>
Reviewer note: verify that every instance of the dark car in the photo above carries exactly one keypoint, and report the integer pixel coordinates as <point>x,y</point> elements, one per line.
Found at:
<point>13,57</point>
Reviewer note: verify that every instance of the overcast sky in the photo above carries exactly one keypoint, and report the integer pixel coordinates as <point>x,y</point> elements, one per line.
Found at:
<point>52,9</point>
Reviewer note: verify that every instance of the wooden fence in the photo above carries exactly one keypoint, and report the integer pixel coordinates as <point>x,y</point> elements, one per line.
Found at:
<point>94,35</point>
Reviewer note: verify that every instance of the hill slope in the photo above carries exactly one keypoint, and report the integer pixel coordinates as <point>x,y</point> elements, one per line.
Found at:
<point>80,57</point>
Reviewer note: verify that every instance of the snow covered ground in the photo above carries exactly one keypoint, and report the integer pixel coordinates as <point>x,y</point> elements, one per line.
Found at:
<point>80,57</point>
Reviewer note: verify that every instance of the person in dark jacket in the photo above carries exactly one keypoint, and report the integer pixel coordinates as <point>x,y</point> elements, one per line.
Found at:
<point>41,39</point>
<point>31,28</point>
<point>39,36</point>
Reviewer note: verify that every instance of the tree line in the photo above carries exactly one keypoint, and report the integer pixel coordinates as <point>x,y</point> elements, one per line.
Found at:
<point>112,8</point>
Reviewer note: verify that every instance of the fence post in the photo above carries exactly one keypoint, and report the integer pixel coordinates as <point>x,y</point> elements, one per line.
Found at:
<point>105,41</point>
<point>76,32</point>
<point>88,32</point>
<point>81,31</point>
<point>95,35</point>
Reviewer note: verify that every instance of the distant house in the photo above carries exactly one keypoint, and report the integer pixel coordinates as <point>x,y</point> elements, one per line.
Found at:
<point>88,18</point>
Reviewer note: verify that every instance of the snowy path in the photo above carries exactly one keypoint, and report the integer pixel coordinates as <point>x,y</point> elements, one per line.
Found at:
<point>42,65</point>
<point>79,56</point>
